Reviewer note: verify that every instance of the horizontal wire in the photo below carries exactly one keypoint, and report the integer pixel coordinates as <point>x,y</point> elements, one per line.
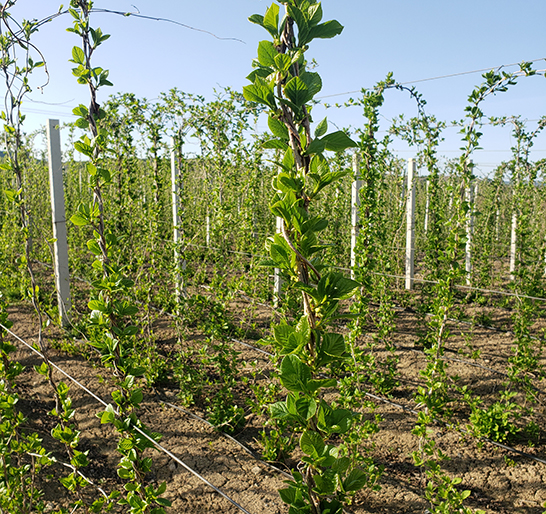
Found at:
<point>450,75</point>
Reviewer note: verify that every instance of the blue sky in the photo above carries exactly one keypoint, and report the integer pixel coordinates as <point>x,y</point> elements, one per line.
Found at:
<point>414,39</point>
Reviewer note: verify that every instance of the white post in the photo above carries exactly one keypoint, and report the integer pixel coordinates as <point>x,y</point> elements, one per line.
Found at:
<point>277,284</point>
<point>60,246</point>
<point>427,206</point>
<point>177,185</point>
<point>513,234</point>
<point>410,225</point>
<point>513,244</point>
<point>355,209</point>
<point>469,232</point>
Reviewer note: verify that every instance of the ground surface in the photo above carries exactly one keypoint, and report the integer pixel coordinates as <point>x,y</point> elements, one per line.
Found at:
<point>501,481</point>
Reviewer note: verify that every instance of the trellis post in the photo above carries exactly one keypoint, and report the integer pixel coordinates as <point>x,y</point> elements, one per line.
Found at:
<point>176,186</point>
<point>470,195</point>
<point>410,225</point>
<point>513,231</point>
<point>513,244</point>
<point>277,279</point>
<point>355,209</point>
<point>60,245</point>
<point>427,205</point>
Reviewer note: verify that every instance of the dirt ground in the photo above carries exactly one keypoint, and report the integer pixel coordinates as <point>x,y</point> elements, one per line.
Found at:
<point>501,481</point>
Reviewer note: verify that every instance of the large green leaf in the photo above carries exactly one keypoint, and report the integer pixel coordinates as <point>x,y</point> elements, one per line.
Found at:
<point>312,444</point>
<point>331,506</point>
<point>266,53</point>
<point>335,286</point>
<point>278,128</point>
<point>275,144</point>
<point>260,92</point>
<point>325,484</point>
<point>325,30</point>
<point>279,410</point>
<point>316,384</point>
<point>282,62</point>
<point>271,20</point>
<point>258,19</point>
<point>312,81</point>
<point>356,480</point>
<point>297,92</point>
<point>294,374</point>
<point>338,141</point>
<point>317,146</point>
<point>333,344</point>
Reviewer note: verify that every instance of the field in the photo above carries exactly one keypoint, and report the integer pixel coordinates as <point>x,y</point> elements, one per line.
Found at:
<point>501,480</point>
<point>293,321</point>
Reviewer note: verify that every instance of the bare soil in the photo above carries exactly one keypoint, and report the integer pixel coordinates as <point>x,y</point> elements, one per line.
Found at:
<point>501,481</point>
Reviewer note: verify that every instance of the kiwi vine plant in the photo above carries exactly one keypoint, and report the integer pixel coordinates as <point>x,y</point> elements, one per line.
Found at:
<point>251,203</point>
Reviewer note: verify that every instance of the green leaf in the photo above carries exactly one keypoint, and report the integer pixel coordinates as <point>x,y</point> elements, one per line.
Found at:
<point>294,374</point>
<point>356,480</point>
<point>315,14</point>
<point>108,416</point>
<point>276,144</point>
<point>82,123</point>
<point>282,62</point>
<point>260,92</point>
<point>306,407</point>
<point>297,91</point>
<point>97,305</point>
<point>335,286</point>
<point>137,396</point>
<point>267,53</point>
<point>316,384</point>
<point>326,30</point>
<point>279,410</point>
<point>325,484</point>
<point>78,56</point>
<point>312,444</point>
<point>81,111</point>
<point>333,344</point>
<point>277,128</point>
<point>331,506</point>
<point>79,219</point>
<point>338,141</point>
<point>270,21</point>
<point>312,81</point>
<point>317,146</point>
<point>288,495</point>
<point>322,128</point>
<point>93,246</point>
<point>258,19</point>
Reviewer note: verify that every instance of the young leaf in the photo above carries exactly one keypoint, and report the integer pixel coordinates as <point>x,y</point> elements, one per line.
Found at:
<point>322,128</point>
<point>270,21</point>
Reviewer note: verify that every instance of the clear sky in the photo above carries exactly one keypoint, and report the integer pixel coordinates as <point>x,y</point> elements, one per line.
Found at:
<point>414,39</point>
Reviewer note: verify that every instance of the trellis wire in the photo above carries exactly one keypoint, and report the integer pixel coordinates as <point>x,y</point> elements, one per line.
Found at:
<point>416,279</point>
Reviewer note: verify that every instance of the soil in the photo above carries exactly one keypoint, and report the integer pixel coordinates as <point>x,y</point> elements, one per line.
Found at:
<point>501,481</point>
